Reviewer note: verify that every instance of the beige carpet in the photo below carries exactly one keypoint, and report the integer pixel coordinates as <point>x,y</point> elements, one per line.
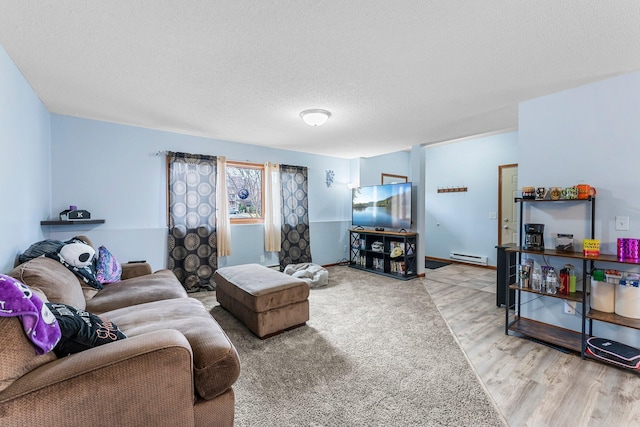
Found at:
<point>376,352</point>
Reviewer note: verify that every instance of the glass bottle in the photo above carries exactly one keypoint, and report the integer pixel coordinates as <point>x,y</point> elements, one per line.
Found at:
<point>536,279</point>
<point>551,284</point>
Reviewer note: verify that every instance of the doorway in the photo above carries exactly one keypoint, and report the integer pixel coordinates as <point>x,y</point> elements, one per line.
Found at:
<point>507,209</point>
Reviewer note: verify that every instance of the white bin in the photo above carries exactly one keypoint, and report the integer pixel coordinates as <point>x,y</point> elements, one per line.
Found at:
<point>628,299</point>
<point>603,296</point>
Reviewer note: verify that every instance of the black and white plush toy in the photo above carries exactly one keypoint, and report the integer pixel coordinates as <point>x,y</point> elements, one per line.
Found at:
<point>78,254</point>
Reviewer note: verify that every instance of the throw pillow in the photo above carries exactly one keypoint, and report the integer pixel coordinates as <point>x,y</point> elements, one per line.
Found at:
<point>108,269</point>
<point>81,330</point>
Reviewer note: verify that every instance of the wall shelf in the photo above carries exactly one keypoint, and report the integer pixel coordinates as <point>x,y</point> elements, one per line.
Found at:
<point>73,222</point>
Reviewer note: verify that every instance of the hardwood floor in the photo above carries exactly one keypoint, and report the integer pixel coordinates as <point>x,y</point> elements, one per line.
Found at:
<point>531,383</point>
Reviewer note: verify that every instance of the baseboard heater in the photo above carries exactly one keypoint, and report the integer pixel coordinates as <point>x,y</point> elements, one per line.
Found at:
<point>473,259</point>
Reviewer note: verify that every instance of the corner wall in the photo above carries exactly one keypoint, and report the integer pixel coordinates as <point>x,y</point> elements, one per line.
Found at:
<point>25,173</point>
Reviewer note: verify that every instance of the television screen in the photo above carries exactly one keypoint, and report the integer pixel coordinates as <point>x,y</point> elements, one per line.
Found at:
<point>385,206</point>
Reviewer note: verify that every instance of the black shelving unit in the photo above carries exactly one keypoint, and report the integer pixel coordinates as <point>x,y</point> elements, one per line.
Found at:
<point>546,332</point>
<point>388,253</point>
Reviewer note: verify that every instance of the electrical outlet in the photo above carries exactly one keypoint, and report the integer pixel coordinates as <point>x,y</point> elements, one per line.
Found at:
<point>261,258</point>
<point>622,223</point>
<point>493,215</point>
<point>569,307</point>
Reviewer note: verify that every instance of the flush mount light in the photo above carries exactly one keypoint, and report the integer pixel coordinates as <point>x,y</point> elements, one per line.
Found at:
<point>315,117</point>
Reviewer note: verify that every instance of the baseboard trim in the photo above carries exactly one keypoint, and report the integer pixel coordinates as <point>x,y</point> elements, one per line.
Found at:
<point>451,261</point>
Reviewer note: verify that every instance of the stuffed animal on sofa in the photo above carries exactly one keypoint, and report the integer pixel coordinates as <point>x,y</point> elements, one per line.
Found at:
<point>75,254</point>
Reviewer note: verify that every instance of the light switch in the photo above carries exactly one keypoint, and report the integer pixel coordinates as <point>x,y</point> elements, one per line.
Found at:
<point>622,223</point>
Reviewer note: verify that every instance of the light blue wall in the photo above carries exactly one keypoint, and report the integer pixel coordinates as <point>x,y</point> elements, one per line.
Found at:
<point>113,171</point>
<point>372,168</point>
<point>590,134</point>
<point>24,175</point>
<point>460,221</point>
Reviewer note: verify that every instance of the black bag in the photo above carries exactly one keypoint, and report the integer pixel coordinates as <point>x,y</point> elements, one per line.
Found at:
<point>614,352</point>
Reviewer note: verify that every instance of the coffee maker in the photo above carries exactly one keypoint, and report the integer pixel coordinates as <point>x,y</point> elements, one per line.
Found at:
<point>533,237</point>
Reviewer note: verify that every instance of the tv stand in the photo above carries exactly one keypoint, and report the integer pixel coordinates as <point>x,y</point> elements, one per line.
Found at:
<point>388,253</point>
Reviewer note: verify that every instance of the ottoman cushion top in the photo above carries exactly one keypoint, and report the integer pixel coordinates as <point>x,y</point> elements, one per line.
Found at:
<point>260,288</point>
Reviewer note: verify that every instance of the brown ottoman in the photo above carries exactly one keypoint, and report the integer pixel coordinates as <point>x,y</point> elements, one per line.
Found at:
<point>265,300</point>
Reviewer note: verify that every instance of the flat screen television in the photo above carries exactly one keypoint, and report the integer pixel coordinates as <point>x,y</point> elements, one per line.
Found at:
<point>382,206</point>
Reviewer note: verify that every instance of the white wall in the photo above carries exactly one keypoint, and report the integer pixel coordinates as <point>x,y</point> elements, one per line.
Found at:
<point>460,221</point>
<point>113,171</point>
<point>24,174</point>
<point>589,134</point>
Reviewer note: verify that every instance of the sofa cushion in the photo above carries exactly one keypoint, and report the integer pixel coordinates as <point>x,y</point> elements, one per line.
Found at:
<point>216,364</point>
<point>18,355</point>
<point>82,330</point>
<point>160,285</point>
<point>54,279</point>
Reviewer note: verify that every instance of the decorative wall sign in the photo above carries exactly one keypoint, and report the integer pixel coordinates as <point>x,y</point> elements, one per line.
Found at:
<point>329,177</point>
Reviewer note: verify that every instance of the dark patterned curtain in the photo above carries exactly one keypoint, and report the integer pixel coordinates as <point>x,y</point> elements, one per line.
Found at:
<point>295,216</point>
<point>192,219</point>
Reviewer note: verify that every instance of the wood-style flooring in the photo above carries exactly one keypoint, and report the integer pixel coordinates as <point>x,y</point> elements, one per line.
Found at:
<point>531,383</point>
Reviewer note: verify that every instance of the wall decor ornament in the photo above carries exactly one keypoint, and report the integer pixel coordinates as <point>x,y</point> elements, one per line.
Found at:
<point>329,177</point>
<point>243,194</point>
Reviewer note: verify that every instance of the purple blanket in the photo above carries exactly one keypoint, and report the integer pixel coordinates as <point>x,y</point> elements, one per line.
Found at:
<point>40,325</point>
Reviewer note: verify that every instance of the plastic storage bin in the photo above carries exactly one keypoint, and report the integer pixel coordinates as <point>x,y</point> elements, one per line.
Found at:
<point>628,299</point>
<point>603,296</point>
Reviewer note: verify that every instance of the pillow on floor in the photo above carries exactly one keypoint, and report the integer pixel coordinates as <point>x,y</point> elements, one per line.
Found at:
<point>81,330</point>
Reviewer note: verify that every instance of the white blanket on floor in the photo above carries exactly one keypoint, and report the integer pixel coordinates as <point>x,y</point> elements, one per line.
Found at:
<point>314,274</point>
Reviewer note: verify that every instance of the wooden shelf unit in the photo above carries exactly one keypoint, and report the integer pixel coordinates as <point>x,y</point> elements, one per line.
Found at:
<point>572,296</point>
<point>542,331</point>
<point>552,334</point>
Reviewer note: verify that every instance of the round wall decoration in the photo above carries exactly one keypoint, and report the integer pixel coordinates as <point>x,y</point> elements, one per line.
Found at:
<point>243,194</point>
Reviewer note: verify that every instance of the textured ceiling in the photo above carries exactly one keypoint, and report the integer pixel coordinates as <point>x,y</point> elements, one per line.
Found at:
<point>393,73</point>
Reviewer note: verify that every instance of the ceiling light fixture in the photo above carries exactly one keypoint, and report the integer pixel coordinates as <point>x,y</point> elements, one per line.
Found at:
<point>315,117</point>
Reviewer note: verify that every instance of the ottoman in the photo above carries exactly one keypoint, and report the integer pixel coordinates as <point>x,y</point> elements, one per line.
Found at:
<point>266,301</point>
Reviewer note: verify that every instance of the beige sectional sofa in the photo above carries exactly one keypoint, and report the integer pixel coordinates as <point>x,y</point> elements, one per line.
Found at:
<point>175,368</point>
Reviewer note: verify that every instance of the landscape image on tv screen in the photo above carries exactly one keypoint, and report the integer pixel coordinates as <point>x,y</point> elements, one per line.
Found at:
<point>386,206</point>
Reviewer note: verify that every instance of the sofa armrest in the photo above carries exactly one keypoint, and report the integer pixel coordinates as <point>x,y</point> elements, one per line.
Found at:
<point>135,269</point>
<point>142,380</point>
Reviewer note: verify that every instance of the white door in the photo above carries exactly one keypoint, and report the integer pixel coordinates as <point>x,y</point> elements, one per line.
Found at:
<point>508,209</point>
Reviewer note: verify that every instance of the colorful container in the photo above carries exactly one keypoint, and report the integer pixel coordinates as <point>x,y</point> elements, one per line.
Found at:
<point>591,247</point>
<point>628,248</point>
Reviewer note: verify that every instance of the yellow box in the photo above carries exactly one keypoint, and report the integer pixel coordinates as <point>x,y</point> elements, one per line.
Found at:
<point>591,247</point>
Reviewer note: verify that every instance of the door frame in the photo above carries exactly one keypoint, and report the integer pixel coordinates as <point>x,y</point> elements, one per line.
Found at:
<point>500,168</point>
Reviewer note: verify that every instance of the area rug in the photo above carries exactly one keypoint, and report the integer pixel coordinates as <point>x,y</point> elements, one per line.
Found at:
<point>432,265</point>
<point>376,352</point>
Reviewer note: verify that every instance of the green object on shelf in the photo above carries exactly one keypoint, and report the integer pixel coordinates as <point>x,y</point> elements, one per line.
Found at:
<point>598,275</point>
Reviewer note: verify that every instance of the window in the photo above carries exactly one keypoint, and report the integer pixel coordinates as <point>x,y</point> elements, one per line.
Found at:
<point>245,185</point>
